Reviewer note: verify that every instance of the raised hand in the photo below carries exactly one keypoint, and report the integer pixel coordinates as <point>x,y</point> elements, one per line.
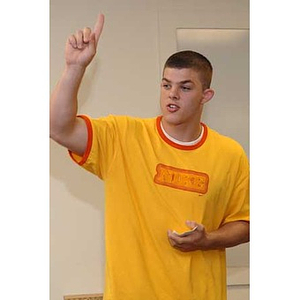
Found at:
<point>81,47</point>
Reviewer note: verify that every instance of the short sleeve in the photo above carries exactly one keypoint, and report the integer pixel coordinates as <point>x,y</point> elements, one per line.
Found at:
<point>101,146</point>
<point>238,203</point>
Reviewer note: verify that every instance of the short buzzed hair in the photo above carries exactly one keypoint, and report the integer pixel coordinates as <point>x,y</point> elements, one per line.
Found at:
<point>192,60</point>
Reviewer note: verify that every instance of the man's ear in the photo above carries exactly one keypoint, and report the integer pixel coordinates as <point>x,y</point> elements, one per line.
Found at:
<point>207,95</point>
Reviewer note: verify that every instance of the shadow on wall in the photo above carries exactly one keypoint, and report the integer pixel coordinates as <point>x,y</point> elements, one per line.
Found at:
<point>81,184</point>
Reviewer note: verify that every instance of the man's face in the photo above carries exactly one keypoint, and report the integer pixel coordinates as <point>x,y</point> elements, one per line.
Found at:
<point>181,96</point>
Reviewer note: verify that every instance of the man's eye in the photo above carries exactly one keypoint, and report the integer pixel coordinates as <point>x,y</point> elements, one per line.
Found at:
<point>186,88</point>
<point>166,86</point>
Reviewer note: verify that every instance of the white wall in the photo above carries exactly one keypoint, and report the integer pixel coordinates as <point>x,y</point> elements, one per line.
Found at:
<point>123,79</point>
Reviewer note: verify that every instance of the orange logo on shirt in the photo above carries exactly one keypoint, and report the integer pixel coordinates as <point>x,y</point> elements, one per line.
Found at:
<point>181,179</point>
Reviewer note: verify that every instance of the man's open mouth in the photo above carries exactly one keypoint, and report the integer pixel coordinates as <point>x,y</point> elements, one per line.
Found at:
<point>172,107</point>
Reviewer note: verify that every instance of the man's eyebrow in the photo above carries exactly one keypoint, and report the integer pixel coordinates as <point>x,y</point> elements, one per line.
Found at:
<point>182,82</point>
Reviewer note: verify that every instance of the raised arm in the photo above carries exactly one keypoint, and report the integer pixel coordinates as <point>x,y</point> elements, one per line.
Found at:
<point>65,127</point>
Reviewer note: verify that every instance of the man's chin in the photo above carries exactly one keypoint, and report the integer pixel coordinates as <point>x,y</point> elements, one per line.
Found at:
<point>171,119</point>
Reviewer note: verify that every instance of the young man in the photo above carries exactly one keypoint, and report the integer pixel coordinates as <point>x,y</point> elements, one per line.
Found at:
<point>162,176</point>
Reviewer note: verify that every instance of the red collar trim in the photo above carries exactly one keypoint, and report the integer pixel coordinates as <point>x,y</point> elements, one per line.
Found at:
<point>178,146</point>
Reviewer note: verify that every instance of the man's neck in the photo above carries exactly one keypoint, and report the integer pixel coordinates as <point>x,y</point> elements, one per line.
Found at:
<point>182,133</point>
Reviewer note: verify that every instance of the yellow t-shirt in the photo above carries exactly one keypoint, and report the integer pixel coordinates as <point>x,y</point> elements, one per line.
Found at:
<point>152,185</point>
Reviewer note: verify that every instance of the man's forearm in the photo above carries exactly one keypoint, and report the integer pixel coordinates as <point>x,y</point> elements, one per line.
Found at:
<point>228,235</point>
<point>63,103</point>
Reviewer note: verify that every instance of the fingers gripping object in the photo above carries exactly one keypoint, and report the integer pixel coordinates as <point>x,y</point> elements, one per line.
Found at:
<point>186,233</point>
<point>190,240</point>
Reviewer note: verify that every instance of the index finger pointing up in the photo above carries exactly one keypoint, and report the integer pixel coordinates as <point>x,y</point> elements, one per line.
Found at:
<point>98,27</point>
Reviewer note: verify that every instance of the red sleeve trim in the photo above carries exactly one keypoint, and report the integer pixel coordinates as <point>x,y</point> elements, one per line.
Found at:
<point>181,147</point>
<point>80,160</point>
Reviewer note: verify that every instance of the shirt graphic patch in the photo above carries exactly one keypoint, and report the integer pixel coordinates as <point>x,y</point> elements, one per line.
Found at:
<point>181,179</point>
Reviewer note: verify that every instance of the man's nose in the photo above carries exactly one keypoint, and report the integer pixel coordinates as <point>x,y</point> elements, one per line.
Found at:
<point>174,93</point>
